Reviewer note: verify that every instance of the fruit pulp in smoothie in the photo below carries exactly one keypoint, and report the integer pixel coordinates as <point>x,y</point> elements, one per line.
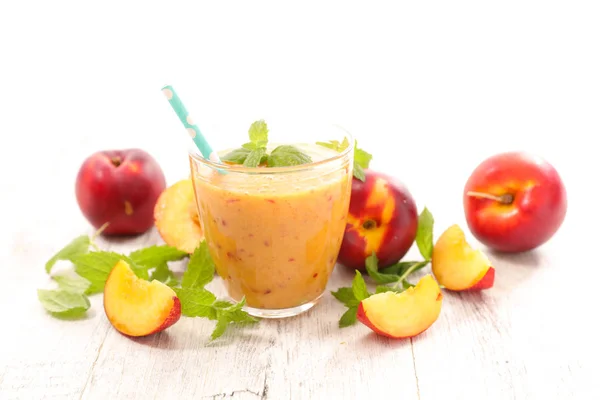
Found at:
<point>275,238</point>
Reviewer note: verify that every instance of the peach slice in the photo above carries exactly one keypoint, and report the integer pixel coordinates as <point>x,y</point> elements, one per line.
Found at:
<point>176,217</point>
<point>457,266</point>
<point>136,307</point>
<point>403,315</point>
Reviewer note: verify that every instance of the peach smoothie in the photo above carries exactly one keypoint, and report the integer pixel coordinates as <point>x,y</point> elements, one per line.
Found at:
<point>274,233</point>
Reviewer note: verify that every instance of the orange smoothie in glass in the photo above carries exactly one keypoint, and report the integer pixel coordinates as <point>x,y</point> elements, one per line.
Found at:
<point>274,233</point>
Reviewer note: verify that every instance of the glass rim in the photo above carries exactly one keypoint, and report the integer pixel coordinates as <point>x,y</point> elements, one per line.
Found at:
<point>195,155</point>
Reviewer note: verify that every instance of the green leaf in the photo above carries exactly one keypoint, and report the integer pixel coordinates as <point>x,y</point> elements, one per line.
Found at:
<point>254,157</point>
<point>237,156</point>
<point>406,284</point>
<point>287,155</point>
<point>221,326</point>
<point>359,287</point>
<point>361,157</point>
<point>348,318</point>
<point>74,283</point>
<point>201,268</point>
<point>383,289</point>
<point>259,133</point>
<point>163,274</point>
<point>346,296</point>
<point>227,315</point>
<point>424,237</point>
<point>78,246</point>
<point>359,172</point>
<point>398,268</point>
<point>372,269</point>
<point>222,304</point>
<point>63,303</point>
<point>336,145</point>
<point>154,256</point>
<point>95,267</point>
<point>241,316</point>
<point>196,302</point>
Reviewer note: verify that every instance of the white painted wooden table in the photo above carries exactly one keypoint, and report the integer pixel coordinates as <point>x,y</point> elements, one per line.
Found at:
<point>452,84</point>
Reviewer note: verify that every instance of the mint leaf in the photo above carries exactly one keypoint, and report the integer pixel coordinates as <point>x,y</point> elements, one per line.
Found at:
<point>259,133</point>
<point>255,157</point>
<point>371,264</point>
<point>163,274</point>
<point>241,316</point>
<point>196,302</point>
<point>287,155</point>
<point>237,156</point>
<point>424,236</point>
<point>348,318</point>
<point>359,288</point>
<point>222,323</point>
<point>154,256</point>
<point>346,296</point>
<point>201,268</point>
<point>63,303</point>
<point>233,313</point>
<point>95,267</point>
<point>74,283</point>
<point>336,145</point>
<point>79,245</point>
<point>222,304</point>
<point>398,268</point>
<point>362,159</point>
<point>406,284</point>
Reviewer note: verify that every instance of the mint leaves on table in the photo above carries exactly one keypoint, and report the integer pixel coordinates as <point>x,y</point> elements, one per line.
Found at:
<point>91,270</point>
<point>396,274</point>
<point>64,303</point>
<point>351,298</point>
<point>196,301</point>
<point>362,159</point>
<point>254,152</point>
<point>78,246</point>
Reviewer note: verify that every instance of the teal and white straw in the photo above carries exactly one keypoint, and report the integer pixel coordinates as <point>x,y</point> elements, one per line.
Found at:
<point>188,123</point>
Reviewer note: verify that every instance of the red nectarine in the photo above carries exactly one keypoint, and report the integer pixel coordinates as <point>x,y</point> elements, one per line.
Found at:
<point>514,202</point>
<point>119,187</point>
<point>382,217</point>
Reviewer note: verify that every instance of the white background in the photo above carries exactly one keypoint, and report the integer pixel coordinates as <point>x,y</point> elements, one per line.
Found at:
<point>421,85</point>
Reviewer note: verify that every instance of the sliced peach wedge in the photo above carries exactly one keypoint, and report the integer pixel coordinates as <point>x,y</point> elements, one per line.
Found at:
<point>176,217</point>
<point>457,266</point>
<point>403,315</point>
<point>136,307</point>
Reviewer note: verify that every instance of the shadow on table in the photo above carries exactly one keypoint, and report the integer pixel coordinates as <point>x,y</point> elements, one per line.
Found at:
<point>514,268</point>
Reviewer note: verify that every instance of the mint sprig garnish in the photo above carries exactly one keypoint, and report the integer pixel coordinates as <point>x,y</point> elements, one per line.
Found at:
<point>362,159</point>
<point>392,278</point>
<point>254,153</point>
